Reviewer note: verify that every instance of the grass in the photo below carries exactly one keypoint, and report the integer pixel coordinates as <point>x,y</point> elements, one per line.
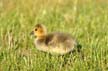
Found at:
<point>85,20</point>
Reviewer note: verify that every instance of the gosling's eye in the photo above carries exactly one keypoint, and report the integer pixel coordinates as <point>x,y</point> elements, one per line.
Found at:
<point>35,29</point>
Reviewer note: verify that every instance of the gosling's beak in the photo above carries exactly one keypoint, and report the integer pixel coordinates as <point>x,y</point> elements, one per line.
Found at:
<point>32,33</point>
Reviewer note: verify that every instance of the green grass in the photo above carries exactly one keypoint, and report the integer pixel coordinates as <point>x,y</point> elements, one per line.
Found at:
<point>87,21</point>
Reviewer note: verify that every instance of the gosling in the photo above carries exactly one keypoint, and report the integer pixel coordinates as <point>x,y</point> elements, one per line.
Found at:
<point>54,43</point>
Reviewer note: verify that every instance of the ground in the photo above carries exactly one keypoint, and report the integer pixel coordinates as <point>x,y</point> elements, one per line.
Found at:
<point>85,20</point>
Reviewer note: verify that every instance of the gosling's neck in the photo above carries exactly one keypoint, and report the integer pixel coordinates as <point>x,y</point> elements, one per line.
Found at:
<point>41,37</point>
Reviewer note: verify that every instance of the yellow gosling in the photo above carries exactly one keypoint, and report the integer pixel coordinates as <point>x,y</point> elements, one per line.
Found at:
<point>57,42</point>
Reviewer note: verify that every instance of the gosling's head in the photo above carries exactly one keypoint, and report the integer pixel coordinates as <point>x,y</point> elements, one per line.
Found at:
<point>39,31</point>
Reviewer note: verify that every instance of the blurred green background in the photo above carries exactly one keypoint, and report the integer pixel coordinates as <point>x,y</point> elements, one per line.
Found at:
<point>86,20</point>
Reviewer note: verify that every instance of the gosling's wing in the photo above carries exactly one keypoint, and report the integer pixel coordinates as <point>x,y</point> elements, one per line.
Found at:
<point>56,38</point>
<point>66,40</point>
<point>53,39</point>
<point>49,39</point>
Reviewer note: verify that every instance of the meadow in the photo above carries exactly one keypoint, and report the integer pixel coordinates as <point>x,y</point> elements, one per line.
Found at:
<point>86,20</point>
